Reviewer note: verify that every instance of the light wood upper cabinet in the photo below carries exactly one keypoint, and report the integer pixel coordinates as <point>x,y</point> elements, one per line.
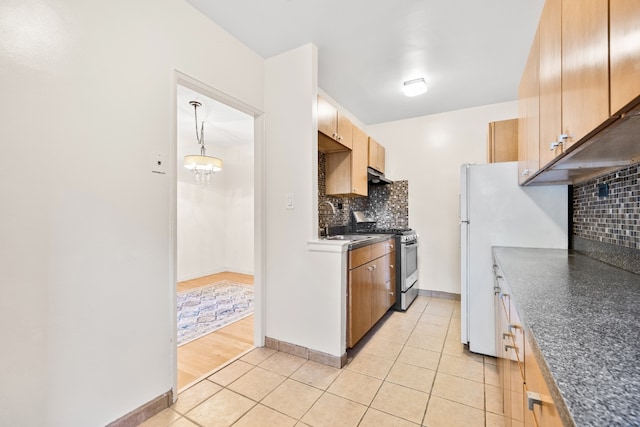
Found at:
<point>550,33</point>
<point>585,67</point>
<point>624,51</point>
<point>529,115</point>
<point>359,156</point>
<point>502,141</point>
<point>376,155</point>
<point>346,171</point>
<point>334,129</point>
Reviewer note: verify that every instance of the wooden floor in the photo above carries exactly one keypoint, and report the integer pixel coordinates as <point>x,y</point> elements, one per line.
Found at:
<point>199,357</point>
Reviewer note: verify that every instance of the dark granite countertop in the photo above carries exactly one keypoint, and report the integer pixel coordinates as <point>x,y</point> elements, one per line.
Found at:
<point>584,318</point>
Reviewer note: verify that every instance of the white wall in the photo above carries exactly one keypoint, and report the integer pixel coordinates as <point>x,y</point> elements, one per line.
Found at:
<point>215,222</point>
<point>428,151</point>
<point>87,284</point>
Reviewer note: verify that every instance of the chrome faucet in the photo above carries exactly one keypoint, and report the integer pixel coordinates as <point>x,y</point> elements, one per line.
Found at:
<point>333,208</point>
<point>325,229</point>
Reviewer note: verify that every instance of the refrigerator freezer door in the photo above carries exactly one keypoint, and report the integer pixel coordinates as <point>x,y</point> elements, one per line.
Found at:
<point>504,214</point>
<point>463,209</point>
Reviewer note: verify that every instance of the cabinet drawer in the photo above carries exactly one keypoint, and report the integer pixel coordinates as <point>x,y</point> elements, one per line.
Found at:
<point>363,255</point>
<point>360,256</point>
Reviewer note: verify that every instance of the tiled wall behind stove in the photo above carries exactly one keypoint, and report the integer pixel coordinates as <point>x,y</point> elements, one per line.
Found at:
<point>389,204</point>
<point>614,219</point>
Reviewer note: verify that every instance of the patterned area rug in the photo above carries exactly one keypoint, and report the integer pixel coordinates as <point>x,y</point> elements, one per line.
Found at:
<point>208,308</point>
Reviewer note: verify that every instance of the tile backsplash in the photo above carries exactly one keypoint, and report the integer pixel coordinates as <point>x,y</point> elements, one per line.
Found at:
<point>388,204</point>
<point>614,219</point>
<point>607,227</point>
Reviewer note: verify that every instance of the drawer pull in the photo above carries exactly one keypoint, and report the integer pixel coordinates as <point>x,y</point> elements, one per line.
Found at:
<point>508,346</point>
<point>513,326</point>
<point>507,334</point>
<point>533,398</point>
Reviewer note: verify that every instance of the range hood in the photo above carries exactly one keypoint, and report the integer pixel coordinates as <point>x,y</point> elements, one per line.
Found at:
<point>377,178</point>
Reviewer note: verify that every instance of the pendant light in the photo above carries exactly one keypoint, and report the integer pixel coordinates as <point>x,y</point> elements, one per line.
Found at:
<point>201,165</point>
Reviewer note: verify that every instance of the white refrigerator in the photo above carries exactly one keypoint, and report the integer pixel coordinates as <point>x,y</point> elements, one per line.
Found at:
<point>496,211</point>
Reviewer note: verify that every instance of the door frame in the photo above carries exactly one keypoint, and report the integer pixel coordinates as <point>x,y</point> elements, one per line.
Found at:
<point>259,208</point>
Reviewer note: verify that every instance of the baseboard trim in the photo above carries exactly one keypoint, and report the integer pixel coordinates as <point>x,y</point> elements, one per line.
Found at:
<point>439,294</point>
<point>306,353</point>
<point>144,412</point>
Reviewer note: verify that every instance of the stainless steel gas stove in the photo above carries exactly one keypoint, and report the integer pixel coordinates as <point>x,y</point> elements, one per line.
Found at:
<point>406,262</point>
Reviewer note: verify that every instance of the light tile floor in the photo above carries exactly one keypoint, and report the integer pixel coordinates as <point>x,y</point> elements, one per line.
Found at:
<point>410,370</point>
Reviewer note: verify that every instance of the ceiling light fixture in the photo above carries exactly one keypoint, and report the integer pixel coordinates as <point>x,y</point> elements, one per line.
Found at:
<point>201,165</point>
<point>415,87</point>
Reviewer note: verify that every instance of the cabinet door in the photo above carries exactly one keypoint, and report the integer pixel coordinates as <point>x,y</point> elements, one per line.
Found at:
<point>624,52</point>
<point>380,288</point>
<point>327,118</point>
<point>360,298</point>
<point>359,154</point>
<point>550,33</point>
<point>384,285</point>
<point>504,363</point>
<point>544,413</point>
<point>502,142</point>
<point>529,116</point>
<point>585,67</point>
<point>345,131</point>
<point>376,155</point>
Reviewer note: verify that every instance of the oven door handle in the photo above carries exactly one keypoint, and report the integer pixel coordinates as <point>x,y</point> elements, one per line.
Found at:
<point>414,243</point>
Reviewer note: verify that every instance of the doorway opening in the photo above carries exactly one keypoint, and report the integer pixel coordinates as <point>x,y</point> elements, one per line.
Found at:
<point>215,234</point>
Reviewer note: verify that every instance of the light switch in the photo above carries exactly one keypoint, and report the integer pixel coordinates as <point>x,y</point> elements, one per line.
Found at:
<point>288,201</point>
<point>158,162</point>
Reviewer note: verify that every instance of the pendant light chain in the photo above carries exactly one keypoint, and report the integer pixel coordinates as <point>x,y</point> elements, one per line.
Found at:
<point>201,165</point>
<point>199,138</point>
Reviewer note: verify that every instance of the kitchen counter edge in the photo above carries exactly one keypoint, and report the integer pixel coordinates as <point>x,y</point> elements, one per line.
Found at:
<point>581,284</point>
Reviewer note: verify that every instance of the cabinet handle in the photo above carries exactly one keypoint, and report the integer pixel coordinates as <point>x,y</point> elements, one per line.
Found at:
<point>525,172</point>
<point>354,189</point>
<point>513,326</point>
<point>496,290</point>
<point>334,135</point>
<point>533,398</point>
<point>508,346</point>
<point>561,140</point>
<point>391,293</point>
<point>390,246</point>
<point>391,266</point>
<point>374,266</point>
<point>370,268</point>
<point>339,138</point>
<point>507,334</point>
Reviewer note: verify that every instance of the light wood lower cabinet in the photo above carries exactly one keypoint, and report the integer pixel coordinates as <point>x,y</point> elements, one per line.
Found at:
<point>537,398</point>
<point>371,287</point>
<point>526,397</point>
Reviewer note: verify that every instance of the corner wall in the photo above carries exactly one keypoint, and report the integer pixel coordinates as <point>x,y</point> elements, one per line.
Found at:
<point>87,97</point>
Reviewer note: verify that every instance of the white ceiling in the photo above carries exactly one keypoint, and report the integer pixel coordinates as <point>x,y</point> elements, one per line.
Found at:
<point>470,52</point>
<point>223,125</point>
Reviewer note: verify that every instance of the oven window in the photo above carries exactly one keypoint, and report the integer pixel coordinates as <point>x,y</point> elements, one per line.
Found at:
<point>412,259</point>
